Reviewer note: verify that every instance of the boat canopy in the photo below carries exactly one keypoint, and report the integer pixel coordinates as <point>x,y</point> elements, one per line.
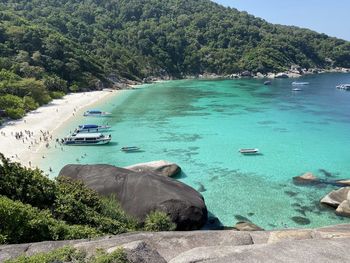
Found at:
<point>88,135</point>
<point>88,126</point>
<point>94,111</point>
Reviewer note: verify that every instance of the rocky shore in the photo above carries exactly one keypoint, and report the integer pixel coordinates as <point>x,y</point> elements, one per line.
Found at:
<point>322,245</point>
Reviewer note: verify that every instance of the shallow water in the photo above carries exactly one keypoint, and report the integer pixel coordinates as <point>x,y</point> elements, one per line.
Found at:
<point>201,124</point>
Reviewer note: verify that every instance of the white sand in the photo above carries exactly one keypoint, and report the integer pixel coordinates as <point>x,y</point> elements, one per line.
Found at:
<point>42,123</point>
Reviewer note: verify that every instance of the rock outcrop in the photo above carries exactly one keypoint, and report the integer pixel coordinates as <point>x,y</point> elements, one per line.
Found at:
<point>328,244</point>
<point>163,168</point>
<point>344,208</point>
<point>141,193</point>
<point>307,178</point>
<point>336,197</point>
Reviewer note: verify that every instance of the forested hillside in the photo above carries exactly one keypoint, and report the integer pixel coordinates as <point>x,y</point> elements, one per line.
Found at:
<point>51,47</point>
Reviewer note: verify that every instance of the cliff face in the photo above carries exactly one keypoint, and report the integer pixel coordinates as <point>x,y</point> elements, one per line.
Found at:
<point>328,244</point>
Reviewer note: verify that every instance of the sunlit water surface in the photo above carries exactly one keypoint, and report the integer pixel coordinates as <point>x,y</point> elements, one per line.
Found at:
<point>201,124</point>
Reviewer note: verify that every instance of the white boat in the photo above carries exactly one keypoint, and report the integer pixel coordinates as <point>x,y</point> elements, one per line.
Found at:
<point>87,139</point>
<point>249,151</point>
<point>296,83</point>
<point>87,128</point>
<point>130,149</point>
<point>344,86</point>
<point>96,113</point>
<point>297,89</point>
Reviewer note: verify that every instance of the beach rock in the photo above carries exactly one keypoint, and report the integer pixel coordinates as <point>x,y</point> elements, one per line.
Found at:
<point>336,197</point>
<point>246,73</point>
<point>307,178</point>
<point>259,75</point>
<point>163,168</point>
<point>281,75</point>
<point>141,193</point>
<point>247,226</point>
<point>343,209</point>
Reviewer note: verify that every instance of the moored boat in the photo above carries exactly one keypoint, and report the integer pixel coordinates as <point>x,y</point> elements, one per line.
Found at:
<point>297,89</point>
<point>249,151</point>
<point>343,86</point>
<point>87,139</point>
<point>96,113</point>
<point>87,128</point>
<point>130,149</point>
<point>296,83</point>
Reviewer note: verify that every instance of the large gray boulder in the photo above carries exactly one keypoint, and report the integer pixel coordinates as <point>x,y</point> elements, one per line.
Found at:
<point>161,167</point>
<point>141,193</point>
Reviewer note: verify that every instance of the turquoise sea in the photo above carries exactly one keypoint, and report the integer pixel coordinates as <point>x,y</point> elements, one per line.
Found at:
<point>201,124</point>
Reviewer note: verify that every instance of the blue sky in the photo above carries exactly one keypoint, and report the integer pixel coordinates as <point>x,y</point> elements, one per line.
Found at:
<point>331,17</point>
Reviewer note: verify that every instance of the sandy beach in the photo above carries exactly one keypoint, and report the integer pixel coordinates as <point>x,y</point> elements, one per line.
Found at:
<point>21,140</point>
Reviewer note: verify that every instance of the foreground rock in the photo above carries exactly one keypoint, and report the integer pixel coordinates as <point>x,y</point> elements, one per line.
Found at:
<point>336,197</point>
<point>307,178</point>
<point>163,168</point>
<point>329,244</point>
<point>141,193</point>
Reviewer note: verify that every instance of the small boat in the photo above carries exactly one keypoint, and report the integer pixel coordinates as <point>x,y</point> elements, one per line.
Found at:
<point>96,113</point>
<point>87,128</point>
<point>267,82</point>
<point>343,86</point>
<point>87,139</point>
<point>296,83</point>
<point>249,151</point>
<point>297,89</point>
<point>130,149</point>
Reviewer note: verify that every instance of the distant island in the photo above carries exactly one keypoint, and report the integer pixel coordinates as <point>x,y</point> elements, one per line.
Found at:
<point>49,49</point>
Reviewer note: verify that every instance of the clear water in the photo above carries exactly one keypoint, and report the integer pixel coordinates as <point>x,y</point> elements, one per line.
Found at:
<point>201,124</point>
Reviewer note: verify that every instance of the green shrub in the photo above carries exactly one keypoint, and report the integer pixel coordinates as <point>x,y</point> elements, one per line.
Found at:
<point>65,254</point>
<point>3,239</point>
<point>73,255</point>
<point>22,223</point>
<point>57,94</point>
<point>26,185</point>
<point>111,208</point>
<point>118,256</point>
<point>158,221</point>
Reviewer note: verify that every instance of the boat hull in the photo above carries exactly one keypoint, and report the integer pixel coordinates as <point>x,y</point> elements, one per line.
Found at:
<point>86,143</point>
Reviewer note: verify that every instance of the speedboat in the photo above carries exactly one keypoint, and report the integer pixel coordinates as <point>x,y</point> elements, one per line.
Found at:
<point>86,139</point>
<point>96,113</point>
<point>130,149</point>
<point>344,86</point>
<point>87,128</point>
<point>296,83</point>
<point>297,89</point>
<point>249,151</point>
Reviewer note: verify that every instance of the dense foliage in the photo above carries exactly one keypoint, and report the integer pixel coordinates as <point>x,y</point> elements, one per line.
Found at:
<point>158,221</point>
<point>34,208</point>
<point>71,255</point>
<point>48,48</point>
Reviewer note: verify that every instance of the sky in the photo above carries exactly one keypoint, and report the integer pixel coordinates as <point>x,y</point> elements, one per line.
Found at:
<point>324,16</point>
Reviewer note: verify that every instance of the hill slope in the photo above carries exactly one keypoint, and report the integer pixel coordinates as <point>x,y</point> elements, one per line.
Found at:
<point>66,45</point>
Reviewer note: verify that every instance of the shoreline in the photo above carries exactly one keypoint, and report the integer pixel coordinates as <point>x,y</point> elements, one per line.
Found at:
<point>22,140</point>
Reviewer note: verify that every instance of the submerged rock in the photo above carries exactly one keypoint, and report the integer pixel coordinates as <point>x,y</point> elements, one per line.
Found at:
<point>307,178</point>
<point>336,197</point>
<point>247,226</point>
<point>301,220</point>
<point>141,193</point>
<point>164,168</point>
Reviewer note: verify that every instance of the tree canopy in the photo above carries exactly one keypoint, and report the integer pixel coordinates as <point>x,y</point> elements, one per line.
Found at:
<point>48,48</point>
